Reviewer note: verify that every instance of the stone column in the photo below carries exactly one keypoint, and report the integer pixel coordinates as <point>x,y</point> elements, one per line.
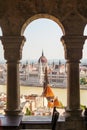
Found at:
<point>12,53</point>
<point>73,53</point>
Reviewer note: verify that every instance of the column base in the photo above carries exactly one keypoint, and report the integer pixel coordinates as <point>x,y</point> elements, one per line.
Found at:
<point>73,114</point>
<point>12,112</point>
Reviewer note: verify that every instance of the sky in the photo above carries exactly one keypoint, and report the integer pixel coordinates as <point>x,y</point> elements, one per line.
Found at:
<point>43,35</point>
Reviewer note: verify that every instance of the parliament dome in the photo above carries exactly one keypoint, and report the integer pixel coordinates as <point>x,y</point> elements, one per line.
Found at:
<point>42,59</point>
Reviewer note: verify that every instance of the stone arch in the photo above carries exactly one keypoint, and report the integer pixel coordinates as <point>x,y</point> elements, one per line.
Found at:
<point>45,16</point>
<point>37,16</point>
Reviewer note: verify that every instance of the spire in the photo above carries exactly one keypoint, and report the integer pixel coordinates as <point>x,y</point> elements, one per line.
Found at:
<point>40,73</point>
<point>59,62</point>
<point>46,76</point>
<point>47,91</point>
<point>42,53</point>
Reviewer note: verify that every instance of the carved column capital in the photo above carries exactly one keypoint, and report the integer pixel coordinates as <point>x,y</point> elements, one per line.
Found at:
<point>12,47</point>
<point>73,45</point>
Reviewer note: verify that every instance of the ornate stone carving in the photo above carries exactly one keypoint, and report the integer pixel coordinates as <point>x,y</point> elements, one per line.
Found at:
<point>74,24</point>
<point>22,10</point>
<point>73,46</point>
<point>13,47</point>
<point>13,18</point>
<point>57,7</point>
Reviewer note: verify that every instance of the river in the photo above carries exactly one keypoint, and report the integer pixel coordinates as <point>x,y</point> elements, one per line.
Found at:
<point>61,93</point>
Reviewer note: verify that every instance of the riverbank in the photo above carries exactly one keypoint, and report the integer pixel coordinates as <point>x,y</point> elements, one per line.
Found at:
<point>82,87</point>
<point>61,93</point>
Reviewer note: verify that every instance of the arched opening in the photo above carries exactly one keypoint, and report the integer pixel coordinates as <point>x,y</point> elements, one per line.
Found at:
<point>43,34</point>
<point>3,76</point>
<point>1,49</point>
<point>83,72</point>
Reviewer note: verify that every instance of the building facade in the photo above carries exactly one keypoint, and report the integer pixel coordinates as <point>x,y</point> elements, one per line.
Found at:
<point>34,74</point>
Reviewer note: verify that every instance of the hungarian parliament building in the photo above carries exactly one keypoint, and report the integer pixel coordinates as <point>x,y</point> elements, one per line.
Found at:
<point>32,74</point>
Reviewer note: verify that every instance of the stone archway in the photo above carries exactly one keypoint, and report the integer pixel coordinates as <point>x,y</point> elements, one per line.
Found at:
<point>44,16</point>
<point>37,16</point>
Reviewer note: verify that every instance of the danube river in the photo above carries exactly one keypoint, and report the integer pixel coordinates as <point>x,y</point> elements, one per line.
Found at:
<point>60,93</point>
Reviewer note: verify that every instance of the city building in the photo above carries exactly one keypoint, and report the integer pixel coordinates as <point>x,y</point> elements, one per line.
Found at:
<point>34,74</point>
<point>71,16</point>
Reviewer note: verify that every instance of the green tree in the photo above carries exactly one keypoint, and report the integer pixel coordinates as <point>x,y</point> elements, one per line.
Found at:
<point>83,81</point>
<point>28,112</point>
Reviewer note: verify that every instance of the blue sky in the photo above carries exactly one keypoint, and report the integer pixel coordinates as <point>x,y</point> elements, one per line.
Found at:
<point>43,34</point>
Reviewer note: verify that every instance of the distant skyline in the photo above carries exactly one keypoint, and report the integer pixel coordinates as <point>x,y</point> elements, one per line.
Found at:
<point>43,34</point>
